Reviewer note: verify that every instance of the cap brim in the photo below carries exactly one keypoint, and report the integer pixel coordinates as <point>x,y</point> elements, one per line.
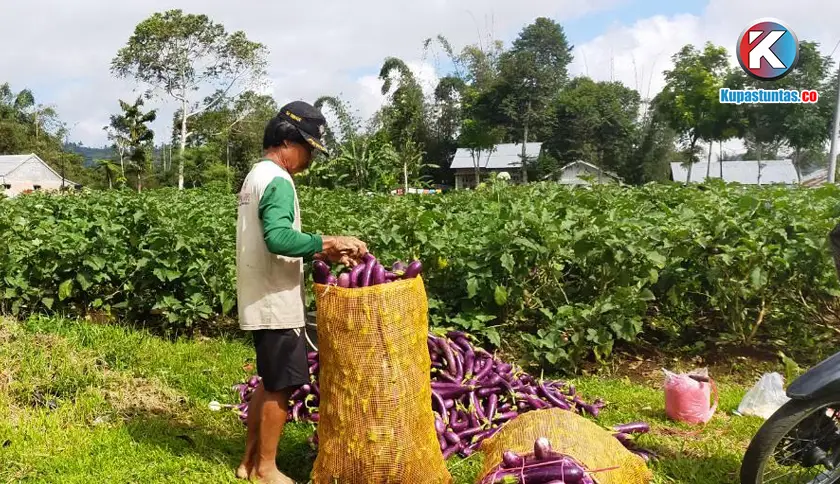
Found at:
<point>315,143</point>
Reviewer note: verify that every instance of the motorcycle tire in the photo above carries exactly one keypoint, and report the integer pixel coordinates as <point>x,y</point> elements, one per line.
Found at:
<point>765,441</point>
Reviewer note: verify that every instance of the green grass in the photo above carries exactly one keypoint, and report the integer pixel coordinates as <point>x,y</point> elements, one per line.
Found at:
<point>81,402</point>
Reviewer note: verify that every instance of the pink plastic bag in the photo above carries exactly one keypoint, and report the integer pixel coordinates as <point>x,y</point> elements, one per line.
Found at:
<point>687,396</point>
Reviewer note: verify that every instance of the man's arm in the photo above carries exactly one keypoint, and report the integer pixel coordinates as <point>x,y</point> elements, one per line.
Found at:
<point>277,212</point>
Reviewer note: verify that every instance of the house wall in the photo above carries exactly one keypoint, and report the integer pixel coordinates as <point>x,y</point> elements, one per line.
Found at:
<point>465,177</point>
<point>572,175</point>
<point>30,174</point>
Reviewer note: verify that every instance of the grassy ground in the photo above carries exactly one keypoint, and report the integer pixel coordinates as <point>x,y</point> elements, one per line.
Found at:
<point>81,402</point>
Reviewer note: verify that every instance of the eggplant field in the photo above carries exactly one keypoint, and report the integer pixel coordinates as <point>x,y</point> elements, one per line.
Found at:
<point>560,275</point>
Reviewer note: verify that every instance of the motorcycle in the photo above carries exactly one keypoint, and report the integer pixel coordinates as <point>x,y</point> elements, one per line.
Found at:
<point>800,442</point>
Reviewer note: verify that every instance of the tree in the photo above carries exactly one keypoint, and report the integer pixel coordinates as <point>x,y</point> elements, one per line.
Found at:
<point>595,122</point>
<point>349,125</point>
<point>131,128</point>
<point>404,117</point>
<point>803,125</point>
<point>462,104</point>
<point>109,168</point>
<point>230,133</point>
<point>532,72</point>
<point>179,54</point>
<point>691,93</point>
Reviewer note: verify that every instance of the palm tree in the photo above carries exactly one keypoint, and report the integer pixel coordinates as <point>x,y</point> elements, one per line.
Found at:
<point>110,169</point>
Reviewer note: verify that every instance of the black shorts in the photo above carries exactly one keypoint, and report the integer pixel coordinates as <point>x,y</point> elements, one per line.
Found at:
<point>281,358</point>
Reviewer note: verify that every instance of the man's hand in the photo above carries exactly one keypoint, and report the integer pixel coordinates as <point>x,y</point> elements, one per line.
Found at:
<point>346,250</point>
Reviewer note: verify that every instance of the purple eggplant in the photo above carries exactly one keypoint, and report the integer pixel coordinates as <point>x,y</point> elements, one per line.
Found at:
<point>556,401</point>
<point>320,272</point>
<point>440,427</point>
<point>542,448</point>
<point>390,276</point>
<point>332,280</point>
<point>378,275</point>
<point>625,439</point>
<point>367,274</point>
<point>413,270</point>
<point>447,353</point>
<point>511,460</point>
<point>451,450</point>
<point>355,275</point>
<point>504,417</point>
<point>459,426</point>
<point>633,428</point>
<point>485,369</point>
<point>492,402</point>
<point>344,280</point>
<point>368,258</point>
<point>451,437</point>
<point>439,401</point>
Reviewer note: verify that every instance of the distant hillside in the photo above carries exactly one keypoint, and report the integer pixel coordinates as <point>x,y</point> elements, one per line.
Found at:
<point>90,154</point>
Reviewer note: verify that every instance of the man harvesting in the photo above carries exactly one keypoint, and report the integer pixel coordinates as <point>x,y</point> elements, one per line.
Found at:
<point>270,252</point>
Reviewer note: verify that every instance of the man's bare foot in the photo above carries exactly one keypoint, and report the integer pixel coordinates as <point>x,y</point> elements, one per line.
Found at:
<point>272,476</point>
<point>244,471</point>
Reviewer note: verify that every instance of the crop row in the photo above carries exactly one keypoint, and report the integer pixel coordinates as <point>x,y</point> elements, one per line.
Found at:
<point>569,273</point>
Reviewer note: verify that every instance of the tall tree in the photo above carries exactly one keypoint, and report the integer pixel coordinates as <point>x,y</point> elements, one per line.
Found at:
<point>691,93</point>
<point>595,122</point>
<point>404,116</point>
<point>132,126</point>
<point>532,71</point>
<point>181,54</point>
<point>804,125</point>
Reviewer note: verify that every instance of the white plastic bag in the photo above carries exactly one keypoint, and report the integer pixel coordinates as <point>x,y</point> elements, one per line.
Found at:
<point>765,397</point>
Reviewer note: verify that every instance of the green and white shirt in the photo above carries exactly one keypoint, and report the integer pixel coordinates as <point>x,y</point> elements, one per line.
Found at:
<point>271,250</point>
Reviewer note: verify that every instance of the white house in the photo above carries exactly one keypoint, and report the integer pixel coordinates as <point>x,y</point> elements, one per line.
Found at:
<point>21,173</point>
<point>579,172</point>
<point>502,158</point>
<point>747,172</point>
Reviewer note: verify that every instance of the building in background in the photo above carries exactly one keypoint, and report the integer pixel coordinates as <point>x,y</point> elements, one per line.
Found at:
<point>583,173</point>
<point>25,173</point>
<point>502,158</point>
<point>746,172</point>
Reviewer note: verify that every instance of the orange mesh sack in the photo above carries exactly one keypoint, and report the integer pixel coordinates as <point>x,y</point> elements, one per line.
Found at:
<point>376,420</point>
<point>583,440</point>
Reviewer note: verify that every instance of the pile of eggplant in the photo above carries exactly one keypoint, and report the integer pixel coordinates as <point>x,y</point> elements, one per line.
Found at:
<point>303,402</point>
<point>369,273</point>
<point>473,394</point>
<point>543,466</point>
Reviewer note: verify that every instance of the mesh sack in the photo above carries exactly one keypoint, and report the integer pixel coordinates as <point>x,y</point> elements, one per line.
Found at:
<point>572,435</point>
<point>376,420</point>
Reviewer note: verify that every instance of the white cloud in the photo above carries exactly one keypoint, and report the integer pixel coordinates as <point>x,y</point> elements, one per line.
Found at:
<point>642,51</point>
<point>63,50</point>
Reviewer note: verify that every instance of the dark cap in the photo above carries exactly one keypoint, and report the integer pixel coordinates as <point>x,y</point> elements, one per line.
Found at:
<point>308,120</point>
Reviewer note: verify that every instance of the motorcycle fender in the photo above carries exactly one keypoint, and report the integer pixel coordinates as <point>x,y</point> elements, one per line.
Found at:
<point>819,381</point>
